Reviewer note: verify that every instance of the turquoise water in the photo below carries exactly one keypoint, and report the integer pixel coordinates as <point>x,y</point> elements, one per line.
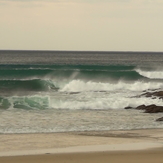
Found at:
<point>43,91</point>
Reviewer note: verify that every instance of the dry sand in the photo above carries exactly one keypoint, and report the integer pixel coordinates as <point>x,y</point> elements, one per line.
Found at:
<point>92,147</point>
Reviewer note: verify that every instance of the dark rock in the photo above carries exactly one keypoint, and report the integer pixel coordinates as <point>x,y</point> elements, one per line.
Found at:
<point>159,119</point>
<point>159,93</point>
<point>128,107</point>
<point>156,94</point>
<point>141,107</point>
<point>153,109</point>
<point>150,108</point>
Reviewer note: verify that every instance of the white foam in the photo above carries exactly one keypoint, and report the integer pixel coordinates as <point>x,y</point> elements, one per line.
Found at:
<point>81,86</point>
<point>151,74</point>
<point>103,101</point>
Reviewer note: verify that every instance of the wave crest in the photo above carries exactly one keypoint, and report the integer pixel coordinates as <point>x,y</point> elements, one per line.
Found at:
<point>151,74</point>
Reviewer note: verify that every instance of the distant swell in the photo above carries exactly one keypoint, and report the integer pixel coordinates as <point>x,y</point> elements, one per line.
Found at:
<point>87,72</point>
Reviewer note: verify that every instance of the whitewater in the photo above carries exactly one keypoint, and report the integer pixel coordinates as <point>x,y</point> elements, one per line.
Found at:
<point>55,91</point>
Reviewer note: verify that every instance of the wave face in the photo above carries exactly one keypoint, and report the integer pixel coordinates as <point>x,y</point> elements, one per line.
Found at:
<point>26,85</point>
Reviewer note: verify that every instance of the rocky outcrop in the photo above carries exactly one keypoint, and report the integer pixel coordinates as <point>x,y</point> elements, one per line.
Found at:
<point>153,109</point>
<point>128,107</point>
<point>150,108</point>
<point>140,107</point>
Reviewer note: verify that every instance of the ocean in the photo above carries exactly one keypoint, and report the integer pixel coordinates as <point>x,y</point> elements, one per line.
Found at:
<point>61,91</point>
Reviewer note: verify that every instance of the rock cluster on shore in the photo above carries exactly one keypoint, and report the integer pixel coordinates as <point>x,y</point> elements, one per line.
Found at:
<point>154,94</point>
<point>151,108</point>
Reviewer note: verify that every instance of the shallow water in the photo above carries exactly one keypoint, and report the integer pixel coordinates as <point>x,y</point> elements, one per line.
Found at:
<point>22,121</point>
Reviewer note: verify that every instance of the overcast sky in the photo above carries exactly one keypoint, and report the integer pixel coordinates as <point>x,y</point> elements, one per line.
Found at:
<point>103,25</point>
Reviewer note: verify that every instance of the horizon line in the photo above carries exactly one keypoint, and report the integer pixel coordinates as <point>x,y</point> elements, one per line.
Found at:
<point>93,51</point>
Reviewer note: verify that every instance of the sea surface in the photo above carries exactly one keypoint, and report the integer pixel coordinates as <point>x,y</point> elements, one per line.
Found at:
<point>58,91</point>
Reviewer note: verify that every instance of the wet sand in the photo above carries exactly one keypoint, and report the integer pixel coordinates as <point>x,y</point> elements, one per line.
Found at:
<point>146,156</point>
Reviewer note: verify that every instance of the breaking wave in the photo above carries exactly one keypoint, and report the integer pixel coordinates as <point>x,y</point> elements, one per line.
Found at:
<point>24,102</point>
<point>81,86</point>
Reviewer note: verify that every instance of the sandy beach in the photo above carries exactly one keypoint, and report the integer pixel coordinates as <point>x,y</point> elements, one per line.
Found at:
<point>147,156</point>
<point>91,146</point>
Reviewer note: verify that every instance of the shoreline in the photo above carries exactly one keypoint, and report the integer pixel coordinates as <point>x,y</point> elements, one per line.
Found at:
<point>84,132</point>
